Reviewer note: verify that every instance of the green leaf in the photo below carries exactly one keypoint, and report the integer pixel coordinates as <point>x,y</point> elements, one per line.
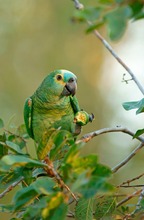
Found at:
<point>33,212</point>
<point>84,209</point>
<point>88,185</point>
<point>57,140</point>
<point>60,139</point>
<point>51,211</point>
<point>141,205</point>
<point>83,163</point>
<point>59,212</point>
<point>21,131</point>
<point>95,185</point>
<point>94,26</point>
<point>12,176</point>
<point>138,133</point>
<point>14,147</point>
<point>39,172</point>
<point>137,10</point>
<point>49,207</point>
<point>6,208</point>
<point>10,161</point>
<point>42,186</point>
<point>66,164</point>
<point>27,174</point>
<point>106,1</point>
<point>102,171</point>
<point>139,16</point>
<point>1,123</point>
<point>124,209</point>
<point>88,14</point>
<point>119,1</point>
<point>3,148</point>
<point>104,207</point>
<point>134,105</point>
<point>117,21</point>
<point>17,140</point>
<point>26,196</point>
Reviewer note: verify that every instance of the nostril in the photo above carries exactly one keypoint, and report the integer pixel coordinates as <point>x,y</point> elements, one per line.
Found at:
<point>71,80</point>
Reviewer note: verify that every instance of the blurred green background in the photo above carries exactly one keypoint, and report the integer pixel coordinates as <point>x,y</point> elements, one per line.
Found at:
<point>37,37</point>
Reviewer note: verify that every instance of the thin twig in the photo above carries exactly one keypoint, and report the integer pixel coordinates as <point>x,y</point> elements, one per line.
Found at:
<point>70,215</point>
<point>138,205</point>
<point>16,135</point>
<point>121,164</point>
<point>131,180</point>
<point>78,5</point>
<point>10,187</point>
<point>93,134</point>
<point>89,136</point>
<point>129,197</point>
<point>111,50</point>
<point>133,186</point>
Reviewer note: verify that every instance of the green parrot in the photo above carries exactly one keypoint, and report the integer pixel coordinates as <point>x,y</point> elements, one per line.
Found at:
<point>54,106</point>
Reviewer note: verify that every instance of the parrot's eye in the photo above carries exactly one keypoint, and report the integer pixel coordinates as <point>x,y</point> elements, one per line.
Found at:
<point>59,77</point>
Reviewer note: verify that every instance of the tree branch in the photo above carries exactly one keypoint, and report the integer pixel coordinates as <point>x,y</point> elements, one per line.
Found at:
<point>10,188</point>
<point>138,205</point>
<point>129,197</point>
<point>51,171</point>
<point>89,136</point>
<point>131,180</point>
<point>121,164</point>
<point>78,5</point>
<point>110,49</point>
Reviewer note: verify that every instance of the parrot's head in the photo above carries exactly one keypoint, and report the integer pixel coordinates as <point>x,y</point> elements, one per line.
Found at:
<point>59,83</point>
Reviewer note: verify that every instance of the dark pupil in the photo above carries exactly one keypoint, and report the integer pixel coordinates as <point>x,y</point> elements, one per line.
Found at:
<point>59,77</point>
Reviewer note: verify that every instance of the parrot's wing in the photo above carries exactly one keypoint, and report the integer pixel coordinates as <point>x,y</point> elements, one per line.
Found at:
<point>28,116</point>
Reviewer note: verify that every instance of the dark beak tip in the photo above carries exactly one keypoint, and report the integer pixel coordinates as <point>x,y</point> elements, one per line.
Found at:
<point>70,88</point>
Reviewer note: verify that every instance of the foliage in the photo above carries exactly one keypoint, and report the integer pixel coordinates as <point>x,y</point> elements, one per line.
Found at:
<point>67,184</point>
<point>139,105</point>
<point>113,14</point>
<point>48,186</point>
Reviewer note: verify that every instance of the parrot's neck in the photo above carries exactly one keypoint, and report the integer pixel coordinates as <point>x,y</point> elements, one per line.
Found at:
<point>51,103</point>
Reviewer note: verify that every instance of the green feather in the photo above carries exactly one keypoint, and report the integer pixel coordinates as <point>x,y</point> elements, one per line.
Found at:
<point>52,107</point>
<point>28,116</point>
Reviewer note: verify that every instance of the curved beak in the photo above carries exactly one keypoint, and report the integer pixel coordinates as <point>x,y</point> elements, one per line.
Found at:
<point>70,87</point>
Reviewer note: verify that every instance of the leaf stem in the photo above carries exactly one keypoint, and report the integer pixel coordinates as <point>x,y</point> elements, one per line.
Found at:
<point>51,171</point>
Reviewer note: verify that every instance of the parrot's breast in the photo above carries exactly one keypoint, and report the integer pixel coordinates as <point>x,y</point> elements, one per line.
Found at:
<point>48,118</point>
